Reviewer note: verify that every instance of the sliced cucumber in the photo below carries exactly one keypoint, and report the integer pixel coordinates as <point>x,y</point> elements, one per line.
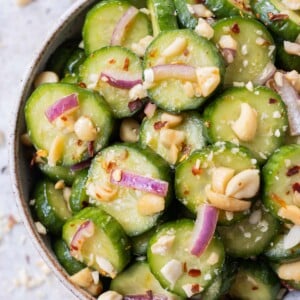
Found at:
<point>250,236</point>
<point>255,48</point>
<point>227,8</point>
<point>122,203</point>
<point>112,59</point>
<point>281,178</point>
<point>74,62</point>
<point>79,199</point>
<point>163,15</point>
<point>227,218</point>
<point>170,94</point>
<point>200,271</point>
<point>281,20</point>
<point>271,119</point>
<point>43,133</point>
<point>184,15</point>
<point>191,125</point>
<point>109,242</point>
<point>50,206</point>
<point>255,281</point>
<point>190,186</point>
<point>140,242</point>
<point>62,252</point>
<point>101,20</point>
<point>138,280</point>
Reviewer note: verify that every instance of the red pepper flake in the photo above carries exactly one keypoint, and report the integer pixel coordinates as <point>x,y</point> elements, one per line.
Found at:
<point>126,64</point>
<point>277,17</point>
<point>296,187</point>
<point>186,149</point>
<point>91,148</point>
<point>235,28</point>
<point>292,171</point>
<point>64,118</point>
<point>186,192</point>
<point>135,105</point>
<point>194,272</point>
<point>195,288</point>
<point>272,100</point>
<point>184,267</point>
<point>277,199</point>
<point>73,247</point>
<point>197,171</point>
<point>159,125</point>
<point>112,61</point>
<point>186,52</point>
<point>153,53</point>
<point>254,288</point>
<point>81,84</point>
<point>79,142</point>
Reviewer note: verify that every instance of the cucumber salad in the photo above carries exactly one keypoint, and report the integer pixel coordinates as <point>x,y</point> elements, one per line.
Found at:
<point>166,152</point>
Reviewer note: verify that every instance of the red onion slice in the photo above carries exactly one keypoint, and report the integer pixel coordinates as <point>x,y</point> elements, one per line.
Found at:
<point>148,296</point>
<point>85,231</point>
<point>292,101</point>
<point>204,229</point>
<point>61,106</point>
<point>266,74</point>
<point>121,27</point>
<point>139,182</point>
<point>81,165</point>
<point>116,79</point>
<point>177,71</point>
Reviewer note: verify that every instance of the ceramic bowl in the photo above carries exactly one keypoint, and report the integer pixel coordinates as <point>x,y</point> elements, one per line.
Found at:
<point>68,26</point>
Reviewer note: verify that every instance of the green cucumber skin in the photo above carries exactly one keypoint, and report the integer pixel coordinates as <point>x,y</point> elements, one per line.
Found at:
<point>162,15</point>
<point>79,198</point>
<point>212,58</point>
<point>63,255</point>
<point>262,143</point>
<point>107,226</point>
<point>287,29</point>
<point>271,170</point>
<point>46,211</point>
<point>224,8</point>
<point>42,132</point>
<point>185,17</point>
<point>156,262</point>
<point>74,62</point>
<point>267,283</point>
<point>237,216</point>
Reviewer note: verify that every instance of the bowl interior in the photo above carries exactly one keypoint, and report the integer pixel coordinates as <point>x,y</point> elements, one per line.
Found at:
<point>67,27</point>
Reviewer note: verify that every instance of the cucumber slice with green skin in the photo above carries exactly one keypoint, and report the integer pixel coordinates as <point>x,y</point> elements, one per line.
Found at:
<point>42,133</point>
<point>114,59</point>
<point>190,188</point>
<point>184,15</point>
<point>223,282</point>
<point>115,247</point>
<point>277,253</point>
<point>191,125</point>
<point>75,60</point>
<point>255,280</point>
<point>62,252</point>
<point>163,15</point>
<point>227,218</point>
<point>55,173</point>
<point>79,199</point>
<point>255,48</point>
<point>137,280</point>
<point>282,167</point>
<point>101,20</point>
<point>140,242</point>
<point>139,3</point>
<point>122,204</point>
<point>70,78</point>
<point>272,121</point>
<point>250,236</point>
<point>179,251</point>
<point>50,206</point>
<point>228,8</point>
<point>170,94</point>
<point>278,18</point>
<point>285,61</point>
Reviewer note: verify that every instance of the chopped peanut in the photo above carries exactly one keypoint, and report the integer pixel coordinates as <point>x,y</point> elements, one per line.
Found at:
<point>291,213</point>
<point>150,204</point>
<point>56,150</point>
<point>110,295</point>
<point>204,29</point>
<point>46,77</point>
<point>291,48</point>
<point>172,120</point>
<point>200,10</point>
<point>83,278</point>
<point>227,42</point>
<point>176,48</point>
<point>85,129</point>
<point>294,79</point>
<point>170,137</point>
<point>188,89</point>
<point>65,123</point>
<point>172,154</point>
<point>104,193</point>
<point>129,130</point>
<point>117,175</point>
<point>225,202</point>
<point>246,125</point>
<point>208,79</point>
<point>140,47</point>
<point>220,178</point>
<point>243,185</point>
<point>137,92</point>
<point>289,271</point>
<point>59,185</point>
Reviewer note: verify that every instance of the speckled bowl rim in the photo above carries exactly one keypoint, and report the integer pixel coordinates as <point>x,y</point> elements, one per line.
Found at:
<point>17,164</point>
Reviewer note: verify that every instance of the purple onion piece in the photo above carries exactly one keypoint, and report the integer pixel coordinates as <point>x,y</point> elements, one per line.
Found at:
<point>148,296</point>
<point>116,80</point>
<point>81,165</point>
<point>135,105</point>
<point>139,182</point>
